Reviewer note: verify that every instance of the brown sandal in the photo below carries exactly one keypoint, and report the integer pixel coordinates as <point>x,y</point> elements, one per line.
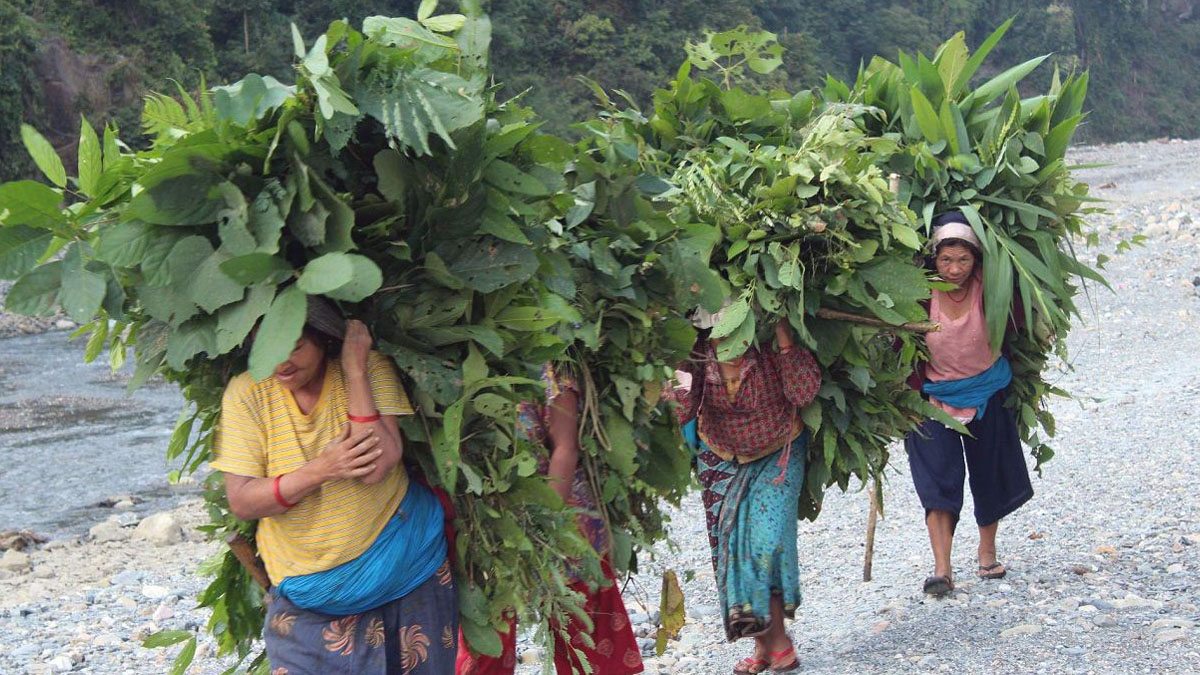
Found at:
<point>938,586</point>
<point>989,571</point>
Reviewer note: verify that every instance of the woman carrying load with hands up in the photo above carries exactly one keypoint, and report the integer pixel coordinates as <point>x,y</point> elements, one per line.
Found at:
<point>751,455</point>
<point>967,379</point>
<point>356,552</point>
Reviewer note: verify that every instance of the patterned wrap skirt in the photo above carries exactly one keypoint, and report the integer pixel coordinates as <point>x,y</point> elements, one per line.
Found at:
<point>751,511</point>
<point>415,635</point>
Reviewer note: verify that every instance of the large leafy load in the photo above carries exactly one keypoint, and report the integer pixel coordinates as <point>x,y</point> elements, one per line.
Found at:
<point>389,181</point>
<point>1001,160</point>
<point>788,213</point>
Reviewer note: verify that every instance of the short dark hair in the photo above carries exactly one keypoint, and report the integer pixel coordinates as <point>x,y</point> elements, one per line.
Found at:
<point>331,345</point>
<point>955,241</point>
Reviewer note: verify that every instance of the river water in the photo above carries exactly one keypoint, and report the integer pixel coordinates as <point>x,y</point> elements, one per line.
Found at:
<point>72,439</point>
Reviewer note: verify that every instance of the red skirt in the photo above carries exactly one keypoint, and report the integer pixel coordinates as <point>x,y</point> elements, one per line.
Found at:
<point>616,651</point>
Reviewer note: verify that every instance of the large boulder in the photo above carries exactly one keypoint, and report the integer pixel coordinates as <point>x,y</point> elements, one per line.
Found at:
<point>14,561</point>
<point>161,529</point>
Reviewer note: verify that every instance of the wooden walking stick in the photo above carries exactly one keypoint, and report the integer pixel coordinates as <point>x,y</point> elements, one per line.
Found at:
<point>872,518</point>
<point>873,512</point>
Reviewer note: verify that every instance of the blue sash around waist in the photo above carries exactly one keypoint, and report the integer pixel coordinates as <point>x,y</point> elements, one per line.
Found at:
<point>409,549</point>
<point>974,391</point>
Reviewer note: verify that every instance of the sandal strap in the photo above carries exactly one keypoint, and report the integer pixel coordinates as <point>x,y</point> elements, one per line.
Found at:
<point>778,662</point>
<point>751,664</point>
<point>988,568</point>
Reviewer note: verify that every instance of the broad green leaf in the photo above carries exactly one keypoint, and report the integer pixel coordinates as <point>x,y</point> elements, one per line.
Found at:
<point>166,638</point>
<point>628,392</point>
<point>622,449</point>
<point>424,102</point>
<point>445,23</point>
<point>112,149</point>
<point>951,61</point>
<point>235,321</point>
<point>316,62</point>
<point>186,256</point>
<point>210,288</point>
<point>732,317</point>
<point>266,217</point>
<point>425,10</point>
<point>195,336</point>
<point>438,379</point>
<point>509,178</point>
<point>233,220</point>
<point>95,343</point>
<point>309,226</point>
<point>44,155</point>
<point>251,98</point>
<point>82,290</point>
<point>997,290</point>
<point>27,202</point>
<point>527,318</point>
<point>927,118</point>
<point>35,293</point>
<point>740,105</point>
<point>257,267</point>
<point>976,60</point>
<point>738,342</point>
<point>125,244</point>
<point>365,279</point>
<point>482,638</point>
<point>298,48</point>
<point>404,33</point>
<point>183,660</point>
<point>906,235</point>
<point>20,249</point>
<point>277,335</point>
<point>169,304</point>
<point>189,199</point>
<point>395,175</point>
<point>90,161</point>
<point>324,274</point>
<point>154,265</point>
<point>338,225</point>
<point>490,264</point>
<point>998,85</point>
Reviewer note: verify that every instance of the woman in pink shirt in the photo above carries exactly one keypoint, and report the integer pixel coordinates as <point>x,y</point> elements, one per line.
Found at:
<point>968,379</point>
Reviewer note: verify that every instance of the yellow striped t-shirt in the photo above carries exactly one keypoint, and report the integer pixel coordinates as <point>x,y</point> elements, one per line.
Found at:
<point>262,433</point>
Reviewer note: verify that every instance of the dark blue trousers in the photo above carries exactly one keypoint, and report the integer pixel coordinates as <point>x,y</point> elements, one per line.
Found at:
<point>940,458</point>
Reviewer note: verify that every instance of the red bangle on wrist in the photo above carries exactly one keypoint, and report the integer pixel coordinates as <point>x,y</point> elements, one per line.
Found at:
<point>279,495</point>
<point>363,419</point>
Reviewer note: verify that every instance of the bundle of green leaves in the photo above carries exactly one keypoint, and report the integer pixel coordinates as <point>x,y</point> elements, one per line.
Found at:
<point>1001,160</point>
<point>389,181</point>
<point>787,212</point>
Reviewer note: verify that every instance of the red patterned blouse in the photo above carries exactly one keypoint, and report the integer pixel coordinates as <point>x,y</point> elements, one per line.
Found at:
<point>760,416</point>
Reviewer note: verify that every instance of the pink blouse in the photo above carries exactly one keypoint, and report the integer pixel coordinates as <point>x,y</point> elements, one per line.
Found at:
<point>961,348</point>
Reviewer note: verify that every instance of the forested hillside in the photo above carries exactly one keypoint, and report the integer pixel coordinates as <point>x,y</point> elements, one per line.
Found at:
<point>63,58</point>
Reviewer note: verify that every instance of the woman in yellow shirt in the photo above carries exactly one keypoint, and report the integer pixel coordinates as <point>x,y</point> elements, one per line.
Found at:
<point>356,553</point>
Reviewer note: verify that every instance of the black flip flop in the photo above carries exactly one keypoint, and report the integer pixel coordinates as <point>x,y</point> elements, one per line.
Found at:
<point>938,586</point>
<point>986,571</point>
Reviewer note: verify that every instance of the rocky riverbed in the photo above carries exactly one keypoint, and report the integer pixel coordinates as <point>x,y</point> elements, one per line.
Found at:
<point>1104,562</point>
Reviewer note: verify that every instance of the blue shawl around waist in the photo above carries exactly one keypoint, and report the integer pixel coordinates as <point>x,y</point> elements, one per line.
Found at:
<point>409,549</point>
<point>972,392</point>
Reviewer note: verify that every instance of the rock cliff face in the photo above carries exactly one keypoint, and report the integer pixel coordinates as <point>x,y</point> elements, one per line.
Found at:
<point>75,83</point>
